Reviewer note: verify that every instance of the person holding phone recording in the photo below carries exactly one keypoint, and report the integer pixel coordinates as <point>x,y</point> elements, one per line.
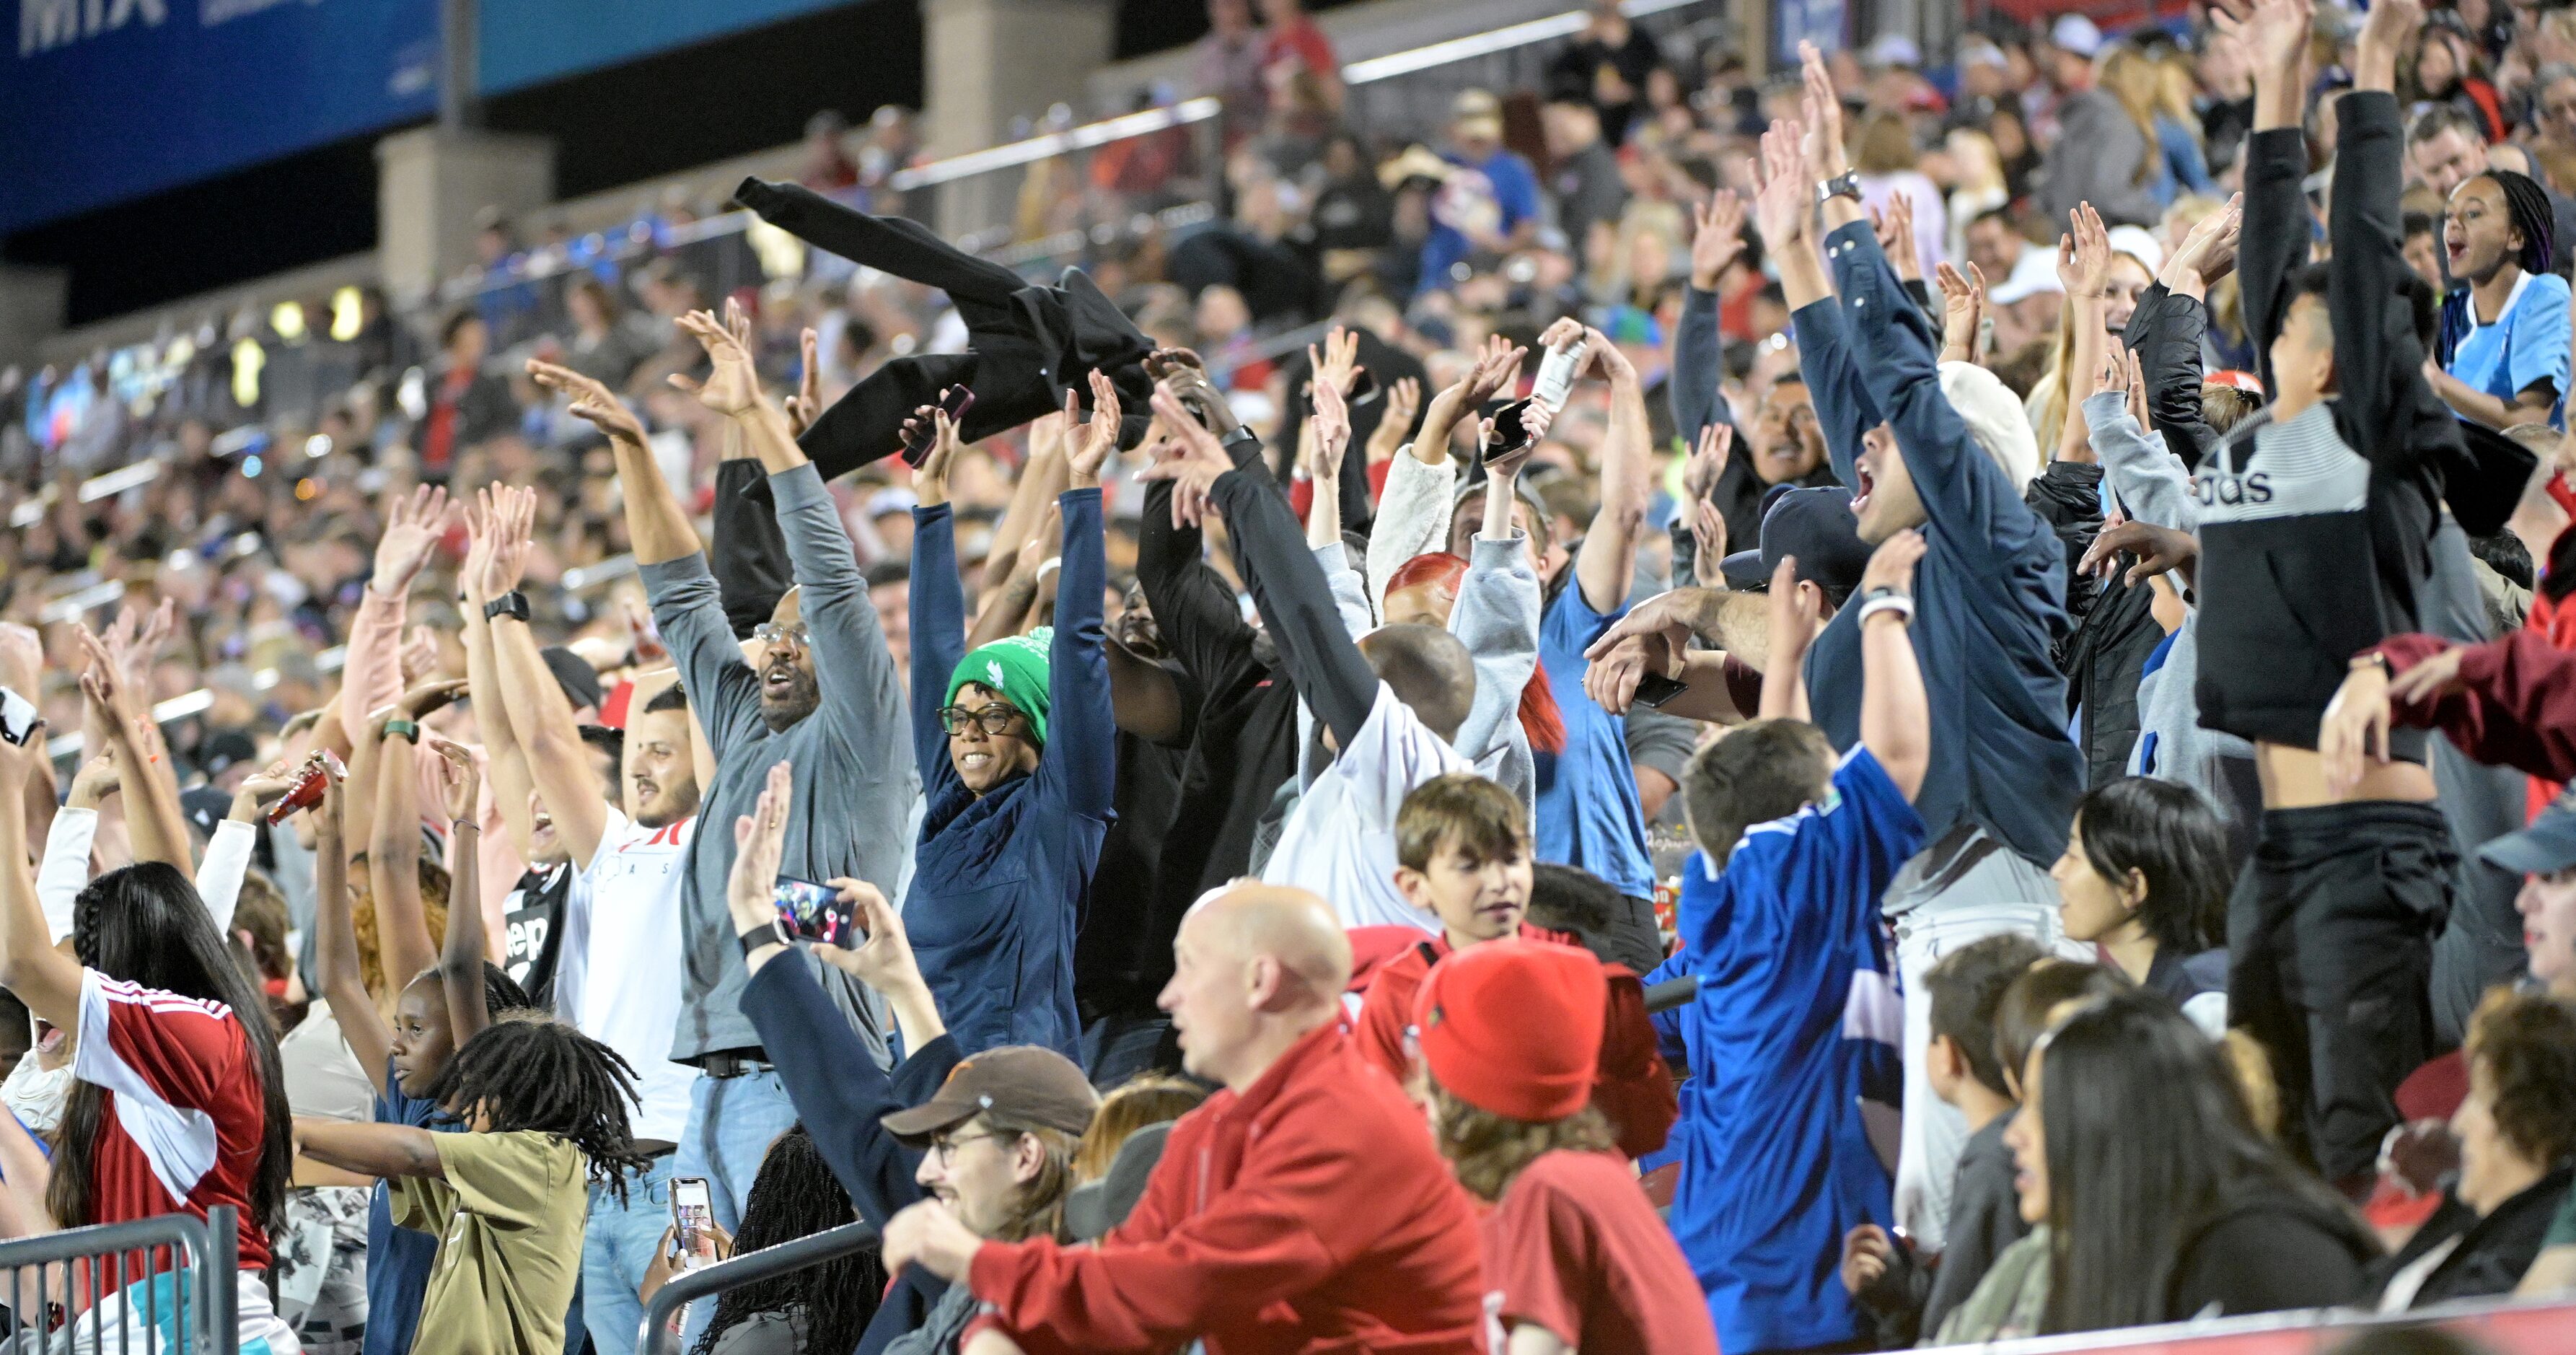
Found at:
<point>1016,755</point>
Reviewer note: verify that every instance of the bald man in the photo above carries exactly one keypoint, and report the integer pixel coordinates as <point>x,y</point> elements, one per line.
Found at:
<point>1300,1208</point>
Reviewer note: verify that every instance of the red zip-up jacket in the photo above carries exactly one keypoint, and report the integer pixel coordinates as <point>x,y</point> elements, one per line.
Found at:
<point>1310,1214</point>
<point>2516,707</point>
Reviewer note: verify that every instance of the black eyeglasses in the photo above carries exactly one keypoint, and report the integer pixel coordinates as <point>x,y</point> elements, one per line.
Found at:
<point>995,720</point>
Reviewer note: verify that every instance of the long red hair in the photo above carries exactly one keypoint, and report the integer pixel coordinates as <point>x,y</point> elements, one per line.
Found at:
<point>1540,717</point>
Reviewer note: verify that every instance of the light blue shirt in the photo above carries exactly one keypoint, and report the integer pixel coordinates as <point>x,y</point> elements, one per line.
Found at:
<point>2526,345</point>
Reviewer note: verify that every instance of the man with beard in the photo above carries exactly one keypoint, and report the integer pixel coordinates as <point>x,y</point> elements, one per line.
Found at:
<point>823,693</point>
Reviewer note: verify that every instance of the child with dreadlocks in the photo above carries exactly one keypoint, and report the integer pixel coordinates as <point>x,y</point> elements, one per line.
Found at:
<point>2503,345</point>
<point>507,1198</point>
<point>408,1055</point>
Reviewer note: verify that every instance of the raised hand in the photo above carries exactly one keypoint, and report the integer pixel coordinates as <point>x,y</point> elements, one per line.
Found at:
<point>1403,401</point>
<point>1331,422</point>
<point>510,516</point>
<point>2084,254</point>
<point>459,784</point>
<point>930,478</point>
<point>413,524</point>
<point>1091,448</point>
<point>732,386</point>
<point>590,401</point>
<point>2384,34</point>
<point>760,841</point>
<point>2275,32</point>
<point>1339,366</point>
<point>2208,253</point>
<point>1963,310</point>
<point>2158,550</point>
<point>1189,456</point>
<point>1822,108</point>
<point>1783,198</point>
<point>1717,237</point>
<point>806,405</point>
<point>430,697</point>
<point>99,778</point>
<point>1895,230</point>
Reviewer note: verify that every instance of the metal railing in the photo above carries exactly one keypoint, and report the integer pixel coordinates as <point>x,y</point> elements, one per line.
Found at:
<point>661,1319</point>
<point>156,1286</point>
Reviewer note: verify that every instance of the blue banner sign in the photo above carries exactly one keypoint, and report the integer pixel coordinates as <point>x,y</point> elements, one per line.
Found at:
<point>104,100</point>
<point>528,42</point>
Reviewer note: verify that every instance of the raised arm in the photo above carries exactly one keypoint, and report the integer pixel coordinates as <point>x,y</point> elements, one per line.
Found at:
<point>335,941</point>
<point>2148,478</point>
<point>393,862</point>
<point>2379,363</point>
<point>1895,715</point>
<point>371,678</point>
<point>47,980</point>
<point>1081,752</point>
<point>1287,584</point>
<point>1042,478</point>
<point>938,602</point>
<point>2084,270</point>
<point>1413,511</point>
<point>1606,567</point>
<point>150,784</point>
<point>1327,435</point>
<point>1497,615</point>
<point>1783,208</point>
<point>2276,228</point>
<point>503,752</point>
<point>1699,359</point>
<point>538,712</point>
<point>688,608</point>
<point>460,956</point>
<point>1795,607</point>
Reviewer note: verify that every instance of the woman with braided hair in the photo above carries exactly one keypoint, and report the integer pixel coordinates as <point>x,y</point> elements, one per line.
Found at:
<point>2502,356</point>
<point>544,1108</point>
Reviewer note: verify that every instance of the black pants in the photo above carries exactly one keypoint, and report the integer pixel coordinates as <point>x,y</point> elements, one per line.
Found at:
<point>2330,939</point>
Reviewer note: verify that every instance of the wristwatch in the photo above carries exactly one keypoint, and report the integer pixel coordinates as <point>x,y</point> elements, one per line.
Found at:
<point>402,729</point>
<point>512,604</point>
<point>1879,600</point>
<point>1843,185</point>
<point>761,936</point>
<point>1242,444</point>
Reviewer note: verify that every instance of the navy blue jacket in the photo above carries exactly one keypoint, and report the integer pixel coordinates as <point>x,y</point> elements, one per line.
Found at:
<point>840,1095</point>
<point>1990,593</point>
<point>998,880</point>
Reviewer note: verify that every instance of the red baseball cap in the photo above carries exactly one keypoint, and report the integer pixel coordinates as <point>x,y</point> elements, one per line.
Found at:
<point>1514,1026</point>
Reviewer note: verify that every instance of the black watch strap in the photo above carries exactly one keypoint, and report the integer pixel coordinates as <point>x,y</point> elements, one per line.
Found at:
<point>1242,445</point>
<point>756,938</point>
<point>512,604</point>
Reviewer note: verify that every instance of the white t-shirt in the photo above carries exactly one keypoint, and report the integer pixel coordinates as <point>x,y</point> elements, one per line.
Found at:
<point>626,909</point>
<point>1340,841</point>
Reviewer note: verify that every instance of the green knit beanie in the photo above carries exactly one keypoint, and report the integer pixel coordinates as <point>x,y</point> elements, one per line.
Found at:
<point>1017,668</point>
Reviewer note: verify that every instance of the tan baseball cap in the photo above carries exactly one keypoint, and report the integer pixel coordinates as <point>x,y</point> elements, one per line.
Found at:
<point>1023,1084</point>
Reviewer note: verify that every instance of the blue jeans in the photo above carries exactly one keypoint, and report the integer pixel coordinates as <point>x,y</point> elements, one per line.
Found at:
<point>732,1122</point>
<point>617,1247</point>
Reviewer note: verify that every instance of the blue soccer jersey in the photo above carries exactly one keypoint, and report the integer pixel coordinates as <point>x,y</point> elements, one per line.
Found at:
<point>1797,1012</point>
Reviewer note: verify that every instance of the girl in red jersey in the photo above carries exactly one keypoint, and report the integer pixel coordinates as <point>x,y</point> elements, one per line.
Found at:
<point>177,1103</point>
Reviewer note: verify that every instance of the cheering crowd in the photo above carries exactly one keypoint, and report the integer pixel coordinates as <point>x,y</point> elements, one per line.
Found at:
<point>1743,753</point>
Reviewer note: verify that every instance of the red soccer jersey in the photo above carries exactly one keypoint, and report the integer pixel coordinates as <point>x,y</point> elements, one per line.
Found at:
<point>1574,1247</point>
<point>184,1119</point>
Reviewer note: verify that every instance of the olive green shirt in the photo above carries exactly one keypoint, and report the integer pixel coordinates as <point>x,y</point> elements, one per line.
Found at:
<point>508,1212</point>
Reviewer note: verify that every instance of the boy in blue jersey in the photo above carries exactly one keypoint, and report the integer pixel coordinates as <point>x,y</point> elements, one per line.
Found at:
<point>1796,1013</point>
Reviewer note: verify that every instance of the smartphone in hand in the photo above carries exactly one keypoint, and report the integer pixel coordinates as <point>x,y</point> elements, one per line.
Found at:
<point>954,401</point>
<point>692,1215</point>
<point>812,912</point>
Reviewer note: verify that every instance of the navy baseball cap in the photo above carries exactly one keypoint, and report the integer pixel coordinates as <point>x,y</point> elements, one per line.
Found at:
<point>1816,525</point>
<point>2545,848</point>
